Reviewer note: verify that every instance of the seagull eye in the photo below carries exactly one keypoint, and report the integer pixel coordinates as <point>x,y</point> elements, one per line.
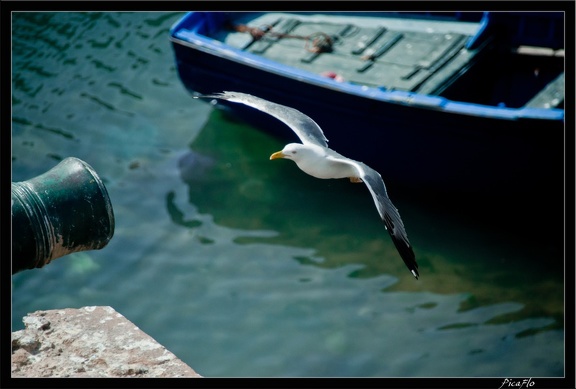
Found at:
<point>294,152</point>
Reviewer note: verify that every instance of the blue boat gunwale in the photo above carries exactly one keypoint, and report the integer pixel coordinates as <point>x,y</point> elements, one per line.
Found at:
<point>190,35</point>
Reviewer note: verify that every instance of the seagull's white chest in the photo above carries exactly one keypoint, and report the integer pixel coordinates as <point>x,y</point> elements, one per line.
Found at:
<point>318,163</point>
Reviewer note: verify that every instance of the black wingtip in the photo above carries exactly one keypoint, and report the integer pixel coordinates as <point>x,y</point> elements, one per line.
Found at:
<point>407,255</point>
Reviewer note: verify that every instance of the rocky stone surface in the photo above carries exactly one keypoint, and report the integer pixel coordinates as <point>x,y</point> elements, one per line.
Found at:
<point>89,342</point>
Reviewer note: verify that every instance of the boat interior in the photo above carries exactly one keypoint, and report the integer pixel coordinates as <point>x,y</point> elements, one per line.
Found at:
<point>511,60</point>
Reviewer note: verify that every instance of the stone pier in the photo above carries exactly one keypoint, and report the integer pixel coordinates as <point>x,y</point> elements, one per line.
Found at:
<point>90,342</point>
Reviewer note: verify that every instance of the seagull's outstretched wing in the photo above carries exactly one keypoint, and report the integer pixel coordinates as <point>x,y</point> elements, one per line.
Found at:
<point>306,129</point>
<point>388,213</point>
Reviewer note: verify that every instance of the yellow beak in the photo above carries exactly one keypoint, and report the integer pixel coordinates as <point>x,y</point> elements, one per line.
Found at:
<point>277,155</point>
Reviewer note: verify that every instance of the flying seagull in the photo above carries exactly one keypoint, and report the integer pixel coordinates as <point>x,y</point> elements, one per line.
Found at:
<point>314,157</point>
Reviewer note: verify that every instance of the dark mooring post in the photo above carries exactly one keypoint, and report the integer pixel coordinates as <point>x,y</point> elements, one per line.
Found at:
<point>65,210</point>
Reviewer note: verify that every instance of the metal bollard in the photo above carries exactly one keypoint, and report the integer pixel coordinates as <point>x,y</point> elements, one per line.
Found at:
<point>65,210</point>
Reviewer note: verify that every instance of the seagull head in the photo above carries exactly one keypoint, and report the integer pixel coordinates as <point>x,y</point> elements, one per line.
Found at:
<point>293,151</point>
<point>313,160</point>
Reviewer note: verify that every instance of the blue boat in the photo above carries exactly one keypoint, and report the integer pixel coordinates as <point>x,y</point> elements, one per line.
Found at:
<point>468,103</point>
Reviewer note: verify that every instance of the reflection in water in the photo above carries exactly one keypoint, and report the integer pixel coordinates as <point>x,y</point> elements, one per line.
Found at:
<point>221,260</point>
<point>177,215</point>
<point>194,165</point>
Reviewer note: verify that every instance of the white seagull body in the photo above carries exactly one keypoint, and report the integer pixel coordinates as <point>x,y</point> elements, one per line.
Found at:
<point>314,157</point>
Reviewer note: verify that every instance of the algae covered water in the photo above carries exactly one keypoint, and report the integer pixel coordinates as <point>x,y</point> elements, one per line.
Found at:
<point>243,266</point>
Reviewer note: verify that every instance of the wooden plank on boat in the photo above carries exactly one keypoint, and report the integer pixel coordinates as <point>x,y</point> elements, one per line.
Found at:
<point>264,29</point>
<point>366,40</point>
<point>552,96</point>
<point>312,55</point>
<point>443,77</point>
<point>284,27</point>
<point>445,47</point>
<point>380,50</point>
<point>440,57</point>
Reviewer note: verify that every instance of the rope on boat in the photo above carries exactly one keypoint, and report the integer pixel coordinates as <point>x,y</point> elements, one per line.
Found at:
<point>317,42</point>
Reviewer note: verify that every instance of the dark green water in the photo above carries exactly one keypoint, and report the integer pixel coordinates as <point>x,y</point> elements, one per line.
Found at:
<point>243,266</point>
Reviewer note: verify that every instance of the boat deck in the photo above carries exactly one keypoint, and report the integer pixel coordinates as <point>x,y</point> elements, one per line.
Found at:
<point>392,53</point>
